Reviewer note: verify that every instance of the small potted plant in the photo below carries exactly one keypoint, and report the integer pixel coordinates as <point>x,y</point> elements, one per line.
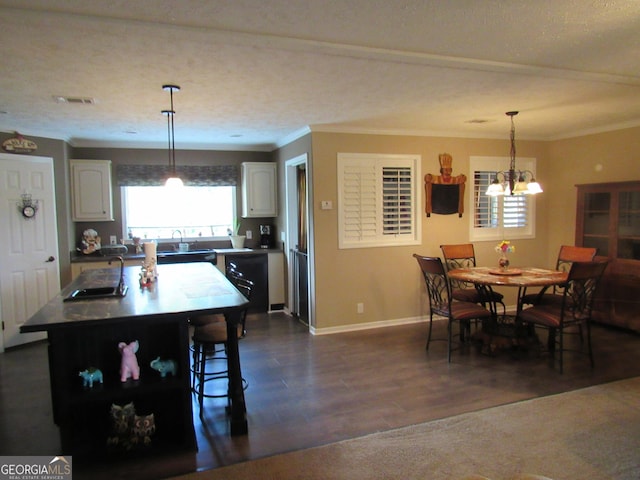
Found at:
<point>237,241</point>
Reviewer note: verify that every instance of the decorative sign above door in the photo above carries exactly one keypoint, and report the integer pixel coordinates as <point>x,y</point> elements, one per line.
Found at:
<point>19,144</point>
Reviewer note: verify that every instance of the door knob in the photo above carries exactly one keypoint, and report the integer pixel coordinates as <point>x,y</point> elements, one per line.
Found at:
<point>51,259</point>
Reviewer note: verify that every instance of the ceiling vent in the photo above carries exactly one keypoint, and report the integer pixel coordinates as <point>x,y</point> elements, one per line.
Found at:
<point>74,100</point>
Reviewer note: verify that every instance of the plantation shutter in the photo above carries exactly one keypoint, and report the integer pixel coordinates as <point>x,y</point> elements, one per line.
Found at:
<point>377,200</point>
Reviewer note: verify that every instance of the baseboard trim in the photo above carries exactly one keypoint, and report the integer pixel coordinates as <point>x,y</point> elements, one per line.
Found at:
<point>369,325</point>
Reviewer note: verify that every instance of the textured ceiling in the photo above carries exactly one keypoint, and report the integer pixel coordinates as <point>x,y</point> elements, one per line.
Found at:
<point>256,73</point>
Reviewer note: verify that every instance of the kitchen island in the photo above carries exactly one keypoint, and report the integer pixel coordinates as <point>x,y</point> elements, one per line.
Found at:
<point>85,335</point>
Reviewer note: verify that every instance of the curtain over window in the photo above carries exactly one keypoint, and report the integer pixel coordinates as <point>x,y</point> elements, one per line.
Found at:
<point>191,175</point>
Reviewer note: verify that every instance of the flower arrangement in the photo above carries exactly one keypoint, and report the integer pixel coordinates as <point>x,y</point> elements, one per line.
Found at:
<point>505,247</point>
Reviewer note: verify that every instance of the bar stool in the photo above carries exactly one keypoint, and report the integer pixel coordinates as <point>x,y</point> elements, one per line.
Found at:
<point>209,348</point>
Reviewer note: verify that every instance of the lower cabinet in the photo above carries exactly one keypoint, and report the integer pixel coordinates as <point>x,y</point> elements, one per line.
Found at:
<point>114,418</point>
<point>254,267</point>
<point>273,286</point>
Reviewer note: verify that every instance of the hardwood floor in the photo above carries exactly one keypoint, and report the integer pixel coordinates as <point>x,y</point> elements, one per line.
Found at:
<point>309,390</point>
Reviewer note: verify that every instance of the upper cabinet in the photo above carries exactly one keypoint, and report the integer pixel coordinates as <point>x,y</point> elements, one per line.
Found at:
<point>259,189</point>
<point>91,190</point>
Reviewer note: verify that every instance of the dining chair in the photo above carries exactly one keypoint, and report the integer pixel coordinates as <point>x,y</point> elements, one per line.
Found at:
<point>566,256</point>
<point>441,301</point>
<point>463,256</point>
<point>575,308</point>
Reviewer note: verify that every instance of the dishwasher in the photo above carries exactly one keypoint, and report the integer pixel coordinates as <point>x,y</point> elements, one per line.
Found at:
<point>254,267</point>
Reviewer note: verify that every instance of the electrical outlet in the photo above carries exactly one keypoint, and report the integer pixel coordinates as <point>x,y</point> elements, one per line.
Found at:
<point>249,234</point>
<point>113,240</point>
<point>360,307</point>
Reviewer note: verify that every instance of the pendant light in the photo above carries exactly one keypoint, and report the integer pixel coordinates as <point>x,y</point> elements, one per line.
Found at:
<point>173,180</point>
<point>514,182</point>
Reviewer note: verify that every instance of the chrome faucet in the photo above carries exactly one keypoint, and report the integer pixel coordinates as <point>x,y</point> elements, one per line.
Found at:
<point>121,286</point>
<point>174,232</point>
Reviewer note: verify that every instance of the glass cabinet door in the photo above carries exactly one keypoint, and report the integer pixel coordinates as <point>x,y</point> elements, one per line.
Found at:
<point>608,218</point>
<point>629,225</point>
<point>597,207</point>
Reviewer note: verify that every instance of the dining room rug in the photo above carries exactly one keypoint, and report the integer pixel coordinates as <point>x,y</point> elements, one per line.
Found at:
<point>591,433</point>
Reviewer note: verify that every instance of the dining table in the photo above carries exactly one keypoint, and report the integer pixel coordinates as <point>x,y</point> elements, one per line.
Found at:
<point>504,329</point>
<point>87,335</point>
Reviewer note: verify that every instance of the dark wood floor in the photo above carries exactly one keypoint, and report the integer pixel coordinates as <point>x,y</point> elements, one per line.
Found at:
<point>309,390</point>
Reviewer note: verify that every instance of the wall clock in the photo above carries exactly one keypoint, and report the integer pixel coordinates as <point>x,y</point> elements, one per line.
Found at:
<point>28,211</point>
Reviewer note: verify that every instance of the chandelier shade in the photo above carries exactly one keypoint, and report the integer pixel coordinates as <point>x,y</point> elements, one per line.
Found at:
<point>512,181</point>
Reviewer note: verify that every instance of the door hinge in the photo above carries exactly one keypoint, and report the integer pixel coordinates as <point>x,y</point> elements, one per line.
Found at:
<point>3,325</point>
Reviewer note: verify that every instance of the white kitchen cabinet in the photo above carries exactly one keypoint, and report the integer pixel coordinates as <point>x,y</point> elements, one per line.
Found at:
<point>259,189</point>
<point>91,190</point>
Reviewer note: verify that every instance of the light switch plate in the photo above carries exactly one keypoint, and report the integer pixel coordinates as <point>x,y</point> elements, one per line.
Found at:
<point>326,205</point>
<point>113,240</point>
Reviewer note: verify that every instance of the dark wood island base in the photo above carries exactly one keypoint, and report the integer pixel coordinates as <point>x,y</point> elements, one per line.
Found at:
<point>113,418</point>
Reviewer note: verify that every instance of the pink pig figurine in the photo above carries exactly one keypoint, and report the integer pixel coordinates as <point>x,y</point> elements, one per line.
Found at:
<point>129,364</point>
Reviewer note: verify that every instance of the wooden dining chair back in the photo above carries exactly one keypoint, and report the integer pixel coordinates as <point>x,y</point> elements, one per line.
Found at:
<point>463,256</point>
<point>566,256</point>
<point>574,309</point>
<point>441,302</point>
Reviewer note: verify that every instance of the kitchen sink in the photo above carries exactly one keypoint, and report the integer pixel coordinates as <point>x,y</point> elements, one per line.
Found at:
<point>97,292</point>
<point>204,255</point>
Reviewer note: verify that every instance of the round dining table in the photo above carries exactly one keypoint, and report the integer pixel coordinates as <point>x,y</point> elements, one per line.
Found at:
<point>504,330</point>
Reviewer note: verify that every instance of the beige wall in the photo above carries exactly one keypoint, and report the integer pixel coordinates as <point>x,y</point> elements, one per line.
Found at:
<point>605,157</point>
<point>387,280</point>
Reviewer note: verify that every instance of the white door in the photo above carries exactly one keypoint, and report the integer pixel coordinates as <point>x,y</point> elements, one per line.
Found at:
<point>29,270</point>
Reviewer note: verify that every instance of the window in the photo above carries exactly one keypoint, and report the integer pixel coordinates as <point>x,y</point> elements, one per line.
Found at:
<point>198,212</point>
<point>378,200</point>
<point>506,216</point>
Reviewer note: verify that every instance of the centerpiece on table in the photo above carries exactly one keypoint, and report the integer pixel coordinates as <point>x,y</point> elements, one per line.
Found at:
<point>504,248</point>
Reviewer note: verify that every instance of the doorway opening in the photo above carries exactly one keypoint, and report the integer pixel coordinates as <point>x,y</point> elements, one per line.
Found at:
<point>298,249</point>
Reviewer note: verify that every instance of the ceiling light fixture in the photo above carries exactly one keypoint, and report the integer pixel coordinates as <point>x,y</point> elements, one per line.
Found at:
<point>173,180</point>
<point>512,184</point>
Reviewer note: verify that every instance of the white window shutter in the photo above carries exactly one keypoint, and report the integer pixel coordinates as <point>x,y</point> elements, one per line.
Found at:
<point>378,200</point>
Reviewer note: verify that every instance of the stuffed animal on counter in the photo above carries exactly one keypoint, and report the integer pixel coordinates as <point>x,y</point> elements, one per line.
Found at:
<point>129,363</point>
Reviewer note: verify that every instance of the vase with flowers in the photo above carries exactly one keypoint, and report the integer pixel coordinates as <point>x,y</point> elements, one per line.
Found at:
<point>504,248</point>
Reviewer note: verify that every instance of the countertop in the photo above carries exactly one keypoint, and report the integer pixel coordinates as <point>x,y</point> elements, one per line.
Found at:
<point>180,289</point>
<point>77,257</point>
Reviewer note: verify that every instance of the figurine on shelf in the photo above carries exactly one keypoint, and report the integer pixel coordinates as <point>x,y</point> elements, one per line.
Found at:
<point>89,376</point>
<point>164,366</point>
<point>129,364</point>
<point>122,419</point>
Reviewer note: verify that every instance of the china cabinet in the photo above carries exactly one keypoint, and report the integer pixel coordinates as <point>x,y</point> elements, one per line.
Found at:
<point>608,218</point>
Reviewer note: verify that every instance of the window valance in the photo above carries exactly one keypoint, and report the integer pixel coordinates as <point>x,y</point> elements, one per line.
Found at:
<point>191,175</point>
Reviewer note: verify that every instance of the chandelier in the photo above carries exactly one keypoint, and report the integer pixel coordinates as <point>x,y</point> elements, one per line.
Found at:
<point>173,180</point>
<point>514,182</point>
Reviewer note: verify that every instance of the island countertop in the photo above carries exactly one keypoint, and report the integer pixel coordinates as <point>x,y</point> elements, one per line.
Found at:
<point>179,289</point>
